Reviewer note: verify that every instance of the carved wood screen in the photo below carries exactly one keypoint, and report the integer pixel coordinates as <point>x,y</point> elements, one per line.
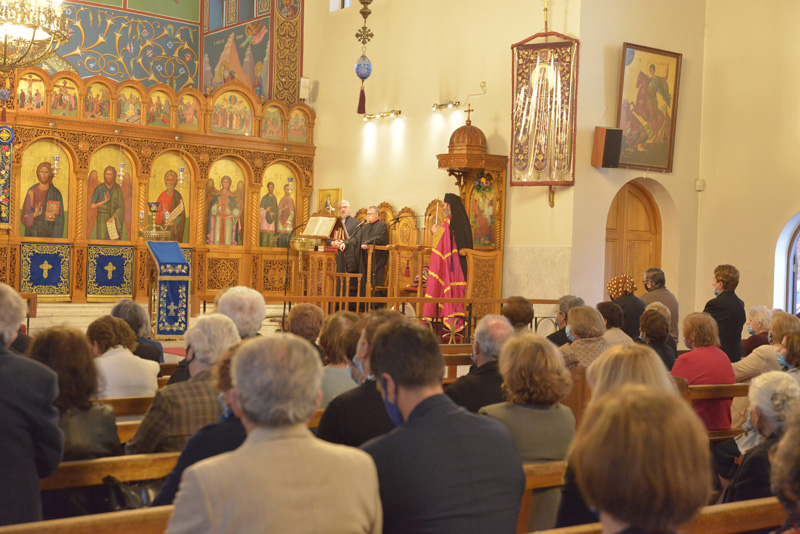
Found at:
<point>229,128</point>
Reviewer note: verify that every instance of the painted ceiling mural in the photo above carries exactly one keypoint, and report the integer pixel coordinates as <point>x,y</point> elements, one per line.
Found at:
<point>107,38</point>
<point>129,46</point>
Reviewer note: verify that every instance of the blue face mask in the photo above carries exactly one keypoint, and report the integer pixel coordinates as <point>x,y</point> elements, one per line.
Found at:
<point>716,293</point>
<point>782,360</point>
<point>391,407</point>
<point>751,330</point>
<point>641,336</point>
<point>227,411</point>
<point>472,357</point>
<point>568,331</point>
<point>359,365</point>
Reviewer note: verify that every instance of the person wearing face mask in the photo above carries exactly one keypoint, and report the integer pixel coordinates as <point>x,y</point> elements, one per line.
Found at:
<point>655,283</point>
<point>357,415</point>
<point>762,360</point>
<point>585,328</point>
<point>565,303</point>
<point>424,485</point>
<point>789,354</point>
<point>655,331</point>
<point>727,310</point>
<point>758,320</point>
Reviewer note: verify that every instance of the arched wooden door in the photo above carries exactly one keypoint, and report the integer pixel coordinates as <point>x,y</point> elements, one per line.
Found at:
<point>633,234</point>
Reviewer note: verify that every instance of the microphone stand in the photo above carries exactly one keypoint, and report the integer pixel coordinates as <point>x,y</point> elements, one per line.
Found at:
<point>286,271</point>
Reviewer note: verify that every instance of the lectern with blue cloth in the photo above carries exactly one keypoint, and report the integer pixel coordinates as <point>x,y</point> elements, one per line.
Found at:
<point>169,290</point>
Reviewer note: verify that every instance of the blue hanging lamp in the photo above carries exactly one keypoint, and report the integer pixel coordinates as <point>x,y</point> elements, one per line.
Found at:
<point>363,64</point>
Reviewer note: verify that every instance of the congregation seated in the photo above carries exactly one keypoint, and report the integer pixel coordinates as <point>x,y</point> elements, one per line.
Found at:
<point>761,360</point>
<point>137,319</point>
<point>785,474</point>
<point>90,427</point>
<point>337,339</point>
<point>635,430</point>
<point>585,327</point>
<point>541,427</point>
<point>773,396</point>
<point>120,372</point>
<point>305,321</point>
<point>443,469</point>
<point>282,479</point>
<point>654,329</point>
<point>565,303</point>
<point>615,368</point>
<point>179,410</point>
<point>242,305</point>
<point>224,435</point>
<point>758,322</point>
<point>358,415</point>
<point>483,385</point>
<point>612,315</point>
<point>660,307</point>
<point>519,312</point>
<point>705,363</point>
<point>32,442</point>
<point>620,289</point>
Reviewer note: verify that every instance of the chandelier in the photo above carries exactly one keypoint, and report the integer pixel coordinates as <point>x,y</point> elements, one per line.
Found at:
<point>30,31</point>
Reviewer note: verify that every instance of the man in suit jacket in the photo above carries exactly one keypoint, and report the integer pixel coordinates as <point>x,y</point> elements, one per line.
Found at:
<point>32,440</point>
<point>425,487</point>
<point>343,264</point>
<point>282,478</point>
<point>728,310</point>
<point>483,385</point>
<point>565,303</point>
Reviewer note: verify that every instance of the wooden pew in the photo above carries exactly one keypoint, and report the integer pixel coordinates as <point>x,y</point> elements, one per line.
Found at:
<point>144,521</point>
<point>717,391</point>
<point>135,467</point>
<point>728,518</point>
<point>579,395</point>
<point>162,381</point>
<point>127,429</point>
<point>168,368</point>
<point>538,476</point>
<point>129,405</point>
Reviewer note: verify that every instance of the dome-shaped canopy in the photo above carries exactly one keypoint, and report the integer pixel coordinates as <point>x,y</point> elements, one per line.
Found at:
<point>467,140</point>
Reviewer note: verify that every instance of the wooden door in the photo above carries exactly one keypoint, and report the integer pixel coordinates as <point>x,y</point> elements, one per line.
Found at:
<point>633,234</point>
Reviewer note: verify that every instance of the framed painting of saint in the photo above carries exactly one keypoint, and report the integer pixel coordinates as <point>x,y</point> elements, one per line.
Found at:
<point>272,124</point>
<point>97,104</point>
<point>232,114</point>
<point>278,206</point>
<point>129,106</point>
<point>170,187</point>
<point>109,196</point>
<point>158,109</point>
<point>298,127</point>
<point>225,194</point>
<point>188,113</point>
<point>481,210</point>
<point>648,104</point>
<point>44,192</point>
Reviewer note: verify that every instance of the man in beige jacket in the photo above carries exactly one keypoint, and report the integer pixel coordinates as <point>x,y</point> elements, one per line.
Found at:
<point>282,478</point>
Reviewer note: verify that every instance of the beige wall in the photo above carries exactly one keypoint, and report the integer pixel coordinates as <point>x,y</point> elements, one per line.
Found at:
<point>432,51</point>
<point>750,144</point>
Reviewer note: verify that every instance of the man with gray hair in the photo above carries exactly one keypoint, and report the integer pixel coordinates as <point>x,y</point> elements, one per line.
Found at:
<point>282,479</point>
<point>655,282</point>
<point>483,385</point>
<point>32,440</point>
<point>179,410</point>
<point>565,303</point>
<point>345,264</point>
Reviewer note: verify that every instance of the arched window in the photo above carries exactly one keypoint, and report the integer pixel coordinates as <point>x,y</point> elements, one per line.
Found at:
<point>793,274</point>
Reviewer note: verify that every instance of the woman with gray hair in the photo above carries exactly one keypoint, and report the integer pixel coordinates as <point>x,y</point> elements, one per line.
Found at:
<point>758,319</point>
<point>773,396</point>
<point>137,319</point>
<point>585,328</point>
<point>245,306</point>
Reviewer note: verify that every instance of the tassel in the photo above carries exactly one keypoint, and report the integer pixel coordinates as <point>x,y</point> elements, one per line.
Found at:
<point>408,271</point>
<point>362,101</point>
<point>3,115</point>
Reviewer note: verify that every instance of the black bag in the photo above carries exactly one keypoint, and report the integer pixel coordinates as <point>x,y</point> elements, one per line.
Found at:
<point>131,495</point>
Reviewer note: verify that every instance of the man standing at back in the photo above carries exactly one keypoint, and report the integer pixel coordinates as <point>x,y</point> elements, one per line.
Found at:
<point>483,385</point>
<point>655,284</point>
<point>444,469</point>
<point>32,442</point>
<point>728,310</point>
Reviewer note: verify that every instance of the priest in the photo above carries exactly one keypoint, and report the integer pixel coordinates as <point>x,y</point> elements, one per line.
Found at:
<point>374,232</point>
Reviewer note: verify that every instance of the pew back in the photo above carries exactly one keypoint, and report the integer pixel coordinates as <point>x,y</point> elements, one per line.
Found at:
<point>135,467</point>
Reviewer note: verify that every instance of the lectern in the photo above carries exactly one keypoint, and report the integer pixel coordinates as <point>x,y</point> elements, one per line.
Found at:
<point>168,287</point>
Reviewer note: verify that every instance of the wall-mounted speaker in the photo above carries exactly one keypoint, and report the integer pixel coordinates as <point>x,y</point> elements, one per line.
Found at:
<point>607,144</point>
<point>305,88</point>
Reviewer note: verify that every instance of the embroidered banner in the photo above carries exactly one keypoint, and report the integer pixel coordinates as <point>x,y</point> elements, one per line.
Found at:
<point>109,272</point>
<point>6,138</point>
<point>173,308</point>
<point>45,270</point>
<point>169,297</point>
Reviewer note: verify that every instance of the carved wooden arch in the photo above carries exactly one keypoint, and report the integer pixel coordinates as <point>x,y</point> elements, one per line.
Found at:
<point>361,214</point>
<point>405,231</point>
<point>87,83</point>
<point>434,214</point>
<point>172,96</point>
<point>284,111</point>
<point>385,212</point>
<point>311,116</point>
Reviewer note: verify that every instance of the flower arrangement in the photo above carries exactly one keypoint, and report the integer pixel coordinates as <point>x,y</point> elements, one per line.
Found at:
<point>483,182</point>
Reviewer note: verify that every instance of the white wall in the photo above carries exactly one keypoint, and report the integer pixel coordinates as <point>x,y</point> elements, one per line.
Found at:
<point>425,52</point>
<point>750,143</point>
